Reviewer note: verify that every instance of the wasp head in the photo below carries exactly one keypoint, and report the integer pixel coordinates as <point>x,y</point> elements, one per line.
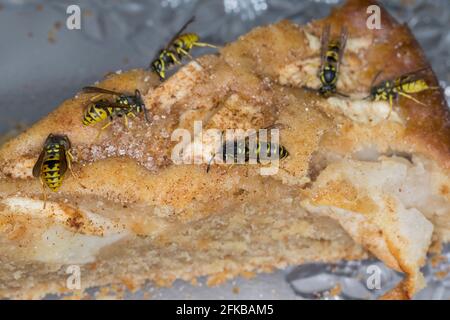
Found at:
<point>140,105</point>
<point>158,67</point>
<point>58,139</point>
<point>375,91</point>
<point>327,90</point>
<point>379,91</point>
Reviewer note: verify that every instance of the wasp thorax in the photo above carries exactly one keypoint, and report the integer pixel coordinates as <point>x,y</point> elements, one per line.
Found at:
<point>329,74</point>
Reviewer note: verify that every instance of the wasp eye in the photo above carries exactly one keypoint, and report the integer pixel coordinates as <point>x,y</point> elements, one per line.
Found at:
<point>156,66</point>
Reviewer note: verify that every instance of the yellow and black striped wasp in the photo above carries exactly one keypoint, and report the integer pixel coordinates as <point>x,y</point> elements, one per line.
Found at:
<point>178,47</point>
<point>53,162</point>
<point>331,52</point>
<point>242,151</point>
<point>124,106</point>
<point>404,85</point>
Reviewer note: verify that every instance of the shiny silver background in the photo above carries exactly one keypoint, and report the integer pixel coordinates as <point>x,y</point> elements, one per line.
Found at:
<point>42,63</point>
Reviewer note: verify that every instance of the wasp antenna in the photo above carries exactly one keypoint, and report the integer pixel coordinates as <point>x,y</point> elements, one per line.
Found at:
<point>183,28</point>
<point>88,89</point>
<point>309,89</point>
<point>146,114</point>
<point>342,94</point>
<point>44,193</point>
<point>375,78</point>
<point>419,70</point>
<point>138,95</point>
<point>208,167</point>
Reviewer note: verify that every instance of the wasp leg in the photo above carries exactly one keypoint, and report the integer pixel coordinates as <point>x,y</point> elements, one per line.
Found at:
<point>44,192</point>
<point>106,125</point>
<point>181,51</point>
<point>204,44</point>
<point>191,57</point>
<point>174,59</point>
<point>391,105</point>
<point>412,98</point>
<point>125,120</point>
<point>96,97</point>
<point>187,54</point>
<point>69,163</point>
<point>103,128</point>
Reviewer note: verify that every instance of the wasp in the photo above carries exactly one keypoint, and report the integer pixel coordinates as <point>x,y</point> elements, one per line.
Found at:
<point>53,162</point>
<point>124,106</point>
<point>404,85</point>
<point>177,48</point>
<point>238,150</point>
<point>331,57</point>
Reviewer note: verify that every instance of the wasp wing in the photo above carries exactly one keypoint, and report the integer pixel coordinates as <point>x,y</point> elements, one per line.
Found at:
<point>62,160</point>
<point>342,43</point>
<point>411,76</point>
<point>180,31</point>
<point>38,165</point>
<point>104,104</point>
<point>101,90</point>
<point>406,77</point>
<point>417,71</point>
<point>324,43</point>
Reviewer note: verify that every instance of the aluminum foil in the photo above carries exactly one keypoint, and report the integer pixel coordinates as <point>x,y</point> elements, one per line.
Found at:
<point>40,55</point>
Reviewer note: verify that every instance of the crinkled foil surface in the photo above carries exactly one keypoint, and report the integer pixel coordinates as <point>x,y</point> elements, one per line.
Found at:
<point>41,56</point>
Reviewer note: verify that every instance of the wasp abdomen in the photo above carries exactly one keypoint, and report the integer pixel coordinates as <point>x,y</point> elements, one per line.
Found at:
<point>96,114</point>
<point>414,86</point>
<point>240,151</point>
<point>185,41</point>
<point>51,169</point>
